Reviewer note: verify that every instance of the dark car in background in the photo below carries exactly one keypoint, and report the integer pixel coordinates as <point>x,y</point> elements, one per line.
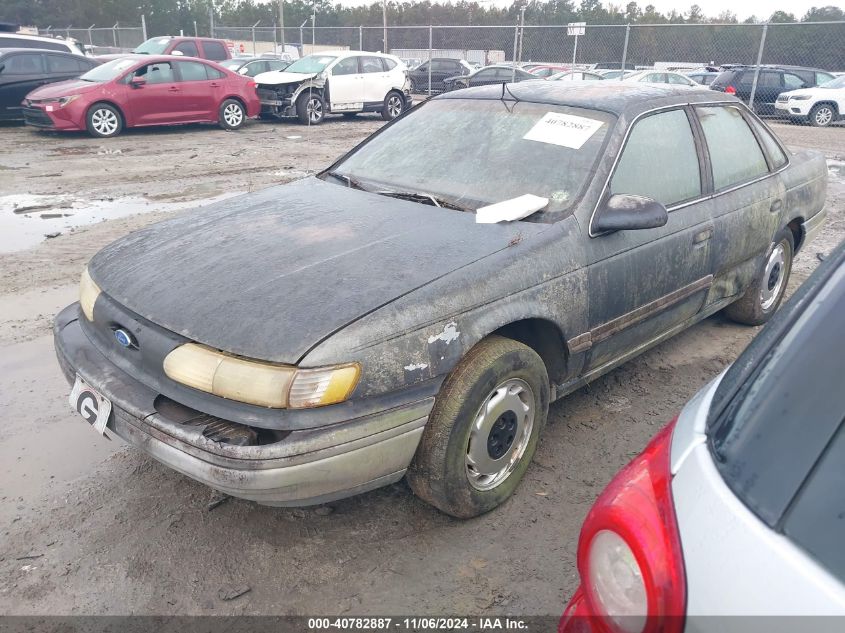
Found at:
<point>773,80</point>
<point>735,508</point>
<point>487,76</point>
<point>441,68</point>
<point>22,70</point>
<point>143,90</point>
<point>252,66</point>
<point>703,77</point>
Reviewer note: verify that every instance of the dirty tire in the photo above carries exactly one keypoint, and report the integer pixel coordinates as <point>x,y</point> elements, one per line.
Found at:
<point>231,114</point>
<point>310,108</point>
<point>764,295</point>
<point>394,105</point>
<point>103,120</point>
<point>439,472</point>
<point>822,115</point>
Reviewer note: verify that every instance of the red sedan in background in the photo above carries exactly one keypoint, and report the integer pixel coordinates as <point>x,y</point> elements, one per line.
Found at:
<point>141,90</point>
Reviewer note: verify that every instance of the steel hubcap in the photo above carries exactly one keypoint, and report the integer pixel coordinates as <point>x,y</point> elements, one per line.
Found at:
<point>500,434</point>
<point>773,277</point>
<point>315,110</point>
<point>394,107</point>
<point>104,121</point>
<point>823,116</point>
<point>233,115</point>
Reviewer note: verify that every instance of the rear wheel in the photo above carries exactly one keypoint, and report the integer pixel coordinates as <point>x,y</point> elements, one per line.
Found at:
<point>394,105</point>
<point>310,108</point>
<point>822,115</point>
<point>766,291</point>
<point>231,115</point>
<point>103,120</point>
<point>483,430</point>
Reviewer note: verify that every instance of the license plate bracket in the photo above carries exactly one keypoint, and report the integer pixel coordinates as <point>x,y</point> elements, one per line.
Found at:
<point>90,404</point>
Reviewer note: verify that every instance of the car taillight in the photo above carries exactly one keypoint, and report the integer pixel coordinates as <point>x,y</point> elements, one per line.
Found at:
<point>730,90</point>
<point>251,84</point>
<point>629,552</point>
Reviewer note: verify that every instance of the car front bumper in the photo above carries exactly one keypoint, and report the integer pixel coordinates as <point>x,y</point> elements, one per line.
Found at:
<point>798,109</point>
<point>305,467</point>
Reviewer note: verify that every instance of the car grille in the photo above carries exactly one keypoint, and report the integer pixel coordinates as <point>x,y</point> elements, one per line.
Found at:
<point>37,117</point>
<point>267,95</point>
<point>783,98</point>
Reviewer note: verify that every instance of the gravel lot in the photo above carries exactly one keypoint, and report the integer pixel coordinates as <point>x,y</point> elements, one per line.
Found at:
<point>89,527</point>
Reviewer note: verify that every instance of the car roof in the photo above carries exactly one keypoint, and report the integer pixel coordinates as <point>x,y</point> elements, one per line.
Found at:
<point>616,97</point>
<point>10,49</point>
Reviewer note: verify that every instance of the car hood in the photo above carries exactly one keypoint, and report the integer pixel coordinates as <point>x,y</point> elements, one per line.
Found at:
<point>279,77</point>
<point>271,274</point>
<point>811,92</point>
<point>63,89</point>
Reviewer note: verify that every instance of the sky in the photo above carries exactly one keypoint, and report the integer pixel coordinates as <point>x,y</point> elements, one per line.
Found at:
<point>711,8</point>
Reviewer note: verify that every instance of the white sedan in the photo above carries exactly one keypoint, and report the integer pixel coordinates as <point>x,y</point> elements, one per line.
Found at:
<point>662,77</point>
<point>820,106</point>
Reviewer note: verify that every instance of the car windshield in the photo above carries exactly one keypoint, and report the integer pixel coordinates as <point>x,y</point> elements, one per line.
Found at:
<point>310,64</point>
<point>836,82</point>
<point>109,70</point>
<point>153,46</point>
<point>517,148</point>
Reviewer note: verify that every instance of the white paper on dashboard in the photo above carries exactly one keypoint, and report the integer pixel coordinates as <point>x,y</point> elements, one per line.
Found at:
<point>510,210</point>
<point>566,130</point>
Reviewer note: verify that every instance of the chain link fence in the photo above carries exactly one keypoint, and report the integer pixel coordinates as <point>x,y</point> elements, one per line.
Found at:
<point>101,40</point>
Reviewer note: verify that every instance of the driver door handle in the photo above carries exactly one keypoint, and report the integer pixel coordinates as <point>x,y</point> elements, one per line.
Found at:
<point>173,89</point>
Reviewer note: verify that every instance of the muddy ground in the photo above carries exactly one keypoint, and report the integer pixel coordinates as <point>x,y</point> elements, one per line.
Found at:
<point>90,527</point>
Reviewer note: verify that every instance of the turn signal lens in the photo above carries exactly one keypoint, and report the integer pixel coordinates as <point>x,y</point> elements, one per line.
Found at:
<point>257,382</point>
<point>730,90</point>
<point>319,387</point>
<point>88,293</point>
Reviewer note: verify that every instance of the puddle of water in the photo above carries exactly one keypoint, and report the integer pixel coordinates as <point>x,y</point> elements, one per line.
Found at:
<point>28,219</point>
<point>836,169</point>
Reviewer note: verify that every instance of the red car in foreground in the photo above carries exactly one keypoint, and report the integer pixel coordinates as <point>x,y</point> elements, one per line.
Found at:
<point>140,90</point>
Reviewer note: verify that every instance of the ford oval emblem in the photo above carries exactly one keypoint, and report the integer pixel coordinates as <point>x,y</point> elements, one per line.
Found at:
<point>124,338</point>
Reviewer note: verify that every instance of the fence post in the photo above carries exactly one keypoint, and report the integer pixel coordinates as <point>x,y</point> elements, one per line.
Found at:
<point>281,26</point>
<point>253,36</point>
<point>275,47</point>
<point>114,33</point>
<point>211,19</point>
<point>625,51</point>
<point>430,54</point>
<point>302,37</point>
<point>515,39</point>
<point>196,31</point>
<point>757,68</point>
<point>360,37</point>
<point>144,27</point>
<point>90,36</point>
<point>521,32</point>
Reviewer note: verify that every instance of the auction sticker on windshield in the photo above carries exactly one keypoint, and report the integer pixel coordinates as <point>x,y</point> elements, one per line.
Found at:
<point>90,405</point>
<point>566,130</point>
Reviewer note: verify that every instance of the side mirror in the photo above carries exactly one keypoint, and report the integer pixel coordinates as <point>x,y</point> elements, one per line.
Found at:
<point>626,212</point>
<point>137,82</point>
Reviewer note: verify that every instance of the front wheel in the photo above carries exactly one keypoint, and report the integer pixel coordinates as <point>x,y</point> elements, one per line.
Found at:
<point>822,115</point>
<point>766,291</point>
<point>394,105</point>
<point>310,108</point>
<point>483,430</point>
<point>232,114</point>
<point>103,121</point>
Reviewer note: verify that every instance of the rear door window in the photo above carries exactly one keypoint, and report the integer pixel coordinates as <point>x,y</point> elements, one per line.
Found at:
<point>187,48</point>
<point>158,73</point>
<point>735,155</point>
<point>660,160</point>
<point>214,51</point>
<point>192,71</point>
<point>24,64</point>
<point>61,65</point>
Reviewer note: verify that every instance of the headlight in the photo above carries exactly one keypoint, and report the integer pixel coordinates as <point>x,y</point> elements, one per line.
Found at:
<point>88,293</point>
<point>799,98</point>
<point>63,101</point>
<point>257,382</point>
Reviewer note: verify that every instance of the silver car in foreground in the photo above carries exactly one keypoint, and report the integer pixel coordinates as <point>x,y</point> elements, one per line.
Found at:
<point>736,508</point>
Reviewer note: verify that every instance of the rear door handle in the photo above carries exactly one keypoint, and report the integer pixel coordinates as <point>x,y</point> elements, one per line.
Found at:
<point>173,89</point>
<point>215,85</point>
<point>777,205</point>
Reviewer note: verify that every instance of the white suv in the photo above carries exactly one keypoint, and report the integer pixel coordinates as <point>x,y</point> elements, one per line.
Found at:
<point>21,40</point>
<point>820,106</point>
<point>336,82</point>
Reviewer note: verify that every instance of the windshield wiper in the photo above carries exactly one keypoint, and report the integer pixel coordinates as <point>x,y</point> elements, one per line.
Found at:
<point>350,182</point>
<point>417,196</point>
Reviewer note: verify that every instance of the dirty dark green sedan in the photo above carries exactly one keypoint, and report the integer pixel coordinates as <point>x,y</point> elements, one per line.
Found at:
<point>413,313</point>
